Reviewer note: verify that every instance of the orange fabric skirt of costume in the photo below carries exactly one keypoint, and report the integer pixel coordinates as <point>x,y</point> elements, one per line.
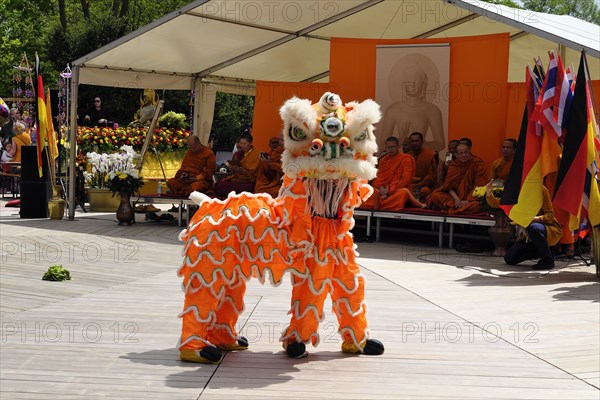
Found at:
<point>253,235</point>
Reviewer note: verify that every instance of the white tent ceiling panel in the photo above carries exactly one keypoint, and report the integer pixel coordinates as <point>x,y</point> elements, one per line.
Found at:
<point>135,80</point>
<point>418,19</point>
<point>185,45</point>
<point>395,19</point>
<point>523,52</point>
<point>294,61</point>
<point>324,79</point>
<point>286,15</point>
<point>476,26</point>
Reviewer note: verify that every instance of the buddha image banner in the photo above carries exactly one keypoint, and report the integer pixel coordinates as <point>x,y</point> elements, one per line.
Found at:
<point>412,87</point>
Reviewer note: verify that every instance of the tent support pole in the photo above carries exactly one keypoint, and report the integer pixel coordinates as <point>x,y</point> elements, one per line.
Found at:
<point>73,141</point>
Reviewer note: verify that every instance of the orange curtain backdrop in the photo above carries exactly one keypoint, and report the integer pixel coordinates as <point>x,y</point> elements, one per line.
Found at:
<point>477,93</point>
<point>478,65</point>
<point>270,96</point>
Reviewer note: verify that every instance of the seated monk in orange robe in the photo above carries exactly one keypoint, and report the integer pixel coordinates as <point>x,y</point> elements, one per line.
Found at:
<point>243,172</point>
<point>270,173</point>
<point>426,161</point>
<point>455,195</point>
<point>443,166</point>
<point>394,175</point>
<point>501,167</point>
<point>196,172</point>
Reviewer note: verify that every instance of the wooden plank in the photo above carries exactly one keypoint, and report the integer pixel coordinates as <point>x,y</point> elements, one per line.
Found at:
<point>456,330</point>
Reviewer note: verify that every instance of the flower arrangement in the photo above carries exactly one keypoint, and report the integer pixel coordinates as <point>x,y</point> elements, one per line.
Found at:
<point>479,193</point>
<point>174,120</point>
<point>115,171</point>
<point>106,140</point>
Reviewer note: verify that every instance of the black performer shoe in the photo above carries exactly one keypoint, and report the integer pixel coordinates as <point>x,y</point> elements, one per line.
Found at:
<point>207,355</point>
<point>296,350</point>
<point>371,347</point>
<point>240,344</point>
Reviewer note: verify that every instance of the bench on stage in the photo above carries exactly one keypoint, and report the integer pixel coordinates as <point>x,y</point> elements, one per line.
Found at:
<point>437,218</point>
<point>480,219</point>
<point>182,201</point>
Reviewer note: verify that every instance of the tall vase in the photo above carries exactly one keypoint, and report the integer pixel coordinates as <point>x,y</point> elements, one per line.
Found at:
<point>125,210</point>
<point>501,233</point>
<point>56,205</point>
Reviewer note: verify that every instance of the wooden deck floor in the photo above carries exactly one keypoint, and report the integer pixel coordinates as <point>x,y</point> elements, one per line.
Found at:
<point>470,328</point>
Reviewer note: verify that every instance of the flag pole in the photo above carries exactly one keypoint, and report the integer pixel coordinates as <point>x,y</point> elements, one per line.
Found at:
<point>539,66</point>
<point>534,81</point>
<point>595,229</point>
<point>588,80</point>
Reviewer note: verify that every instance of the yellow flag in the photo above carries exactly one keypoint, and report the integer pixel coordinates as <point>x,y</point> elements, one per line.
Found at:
<point>42,123</point>
<point>52,139</point>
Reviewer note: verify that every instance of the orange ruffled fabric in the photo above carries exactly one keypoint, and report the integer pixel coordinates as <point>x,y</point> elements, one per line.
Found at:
<point>253,235</point>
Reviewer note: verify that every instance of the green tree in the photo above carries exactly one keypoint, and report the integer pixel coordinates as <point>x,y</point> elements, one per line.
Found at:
<point>233,114</point>
<point>509,3</point>
<point>587,10</point>
<point>21,33</point>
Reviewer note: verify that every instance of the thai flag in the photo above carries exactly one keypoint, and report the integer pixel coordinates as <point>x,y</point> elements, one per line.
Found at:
<point>563,92</point>
<point>571,77</point>
<point>555,96</point>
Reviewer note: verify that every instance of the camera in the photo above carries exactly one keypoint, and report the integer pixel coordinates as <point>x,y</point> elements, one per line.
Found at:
<point>448,158</point>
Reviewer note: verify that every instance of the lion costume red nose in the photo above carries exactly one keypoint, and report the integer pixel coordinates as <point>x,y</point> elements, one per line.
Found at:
<point>317,145</point>
<point>344,142</point>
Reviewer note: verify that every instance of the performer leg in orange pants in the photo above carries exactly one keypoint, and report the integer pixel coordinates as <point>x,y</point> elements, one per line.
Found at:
<point>333,271</point>
<point>209,318</point>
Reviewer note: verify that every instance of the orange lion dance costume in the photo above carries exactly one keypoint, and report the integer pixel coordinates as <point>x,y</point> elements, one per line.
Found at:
<point>327,161</point>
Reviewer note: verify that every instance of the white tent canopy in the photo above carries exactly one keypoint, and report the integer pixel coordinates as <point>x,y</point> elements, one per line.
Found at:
<point>221,45</point>
<point>289,40</point>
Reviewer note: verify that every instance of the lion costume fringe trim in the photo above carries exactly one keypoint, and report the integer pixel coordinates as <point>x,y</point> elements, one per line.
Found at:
<point>327,161</point>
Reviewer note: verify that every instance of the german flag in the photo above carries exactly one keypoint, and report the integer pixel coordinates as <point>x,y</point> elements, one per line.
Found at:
<point>522,196</point>
<point>42,122</point>
<point>576,189</point>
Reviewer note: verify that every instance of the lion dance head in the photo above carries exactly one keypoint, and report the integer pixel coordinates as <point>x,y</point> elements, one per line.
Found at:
<point>329,140</point>
<point>329,145</point>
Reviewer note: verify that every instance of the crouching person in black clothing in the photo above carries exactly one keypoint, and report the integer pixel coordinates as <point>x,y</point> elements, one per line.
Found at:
<point>535,240</point>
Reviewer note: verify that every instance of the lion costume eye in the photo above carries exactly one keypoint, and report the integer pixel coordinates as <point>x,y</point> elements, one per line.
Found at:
<point>296,133</point>
<point>332,126</point>
<point>361,136</point>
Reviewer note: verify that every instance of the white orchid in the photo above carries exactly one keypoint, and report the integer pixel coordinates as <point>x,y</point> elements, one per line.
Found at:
<point>106,167</point>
